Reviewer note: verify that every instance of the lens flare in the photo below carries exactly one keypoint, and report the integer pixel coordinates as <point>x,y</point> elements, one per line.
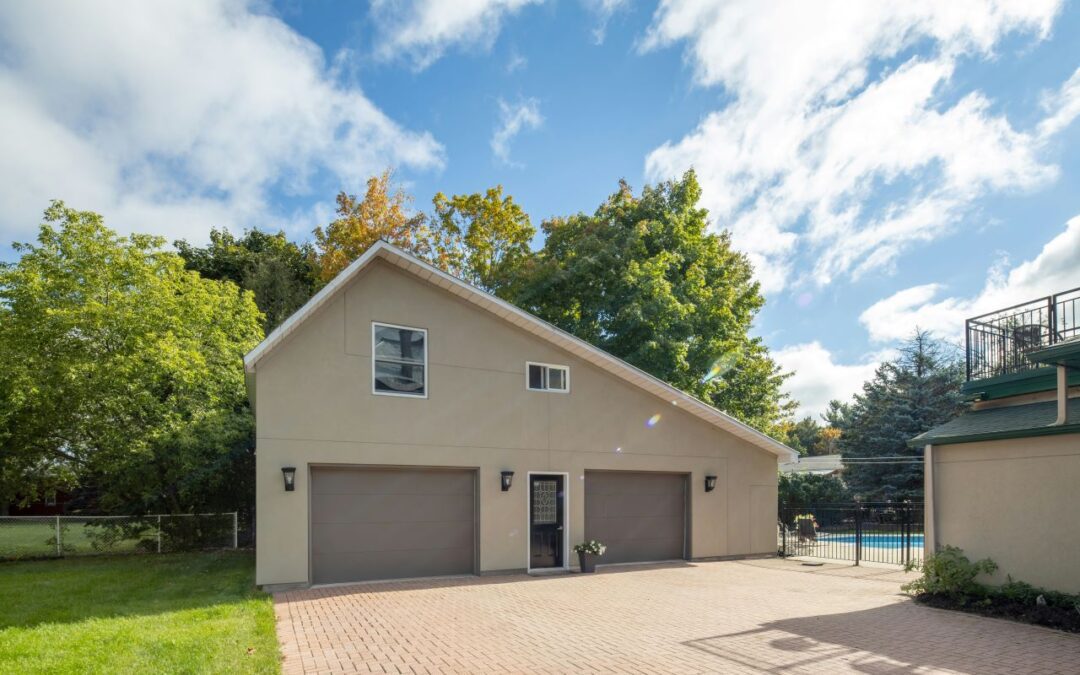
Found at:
<point>720,366</point>
<point>652,421</point>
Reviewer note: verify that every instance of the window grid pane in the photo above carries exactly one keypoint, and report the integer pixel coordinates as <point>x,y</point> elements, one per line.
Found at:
<point>399,344</point>
<point>399,378</point>
<point>536,377</point>
<point>556,379</point>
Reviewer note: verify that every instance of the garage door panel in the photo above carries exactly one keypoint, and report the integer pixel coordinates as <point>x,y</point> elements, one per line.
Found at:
<point>661,527</point>
<point>639,516</point>
<point>345,480</point>
<point>625,505</point>
<point>622,483</point>
<point>643,550</point>
<point>426,538</point>
<point>371,523</point>
<point>408,508</point>
<point>341,567</point>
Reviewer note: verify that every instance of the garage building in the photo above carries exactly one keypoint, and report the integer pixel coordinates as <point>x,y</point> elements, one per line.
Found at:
<point>411,425</point>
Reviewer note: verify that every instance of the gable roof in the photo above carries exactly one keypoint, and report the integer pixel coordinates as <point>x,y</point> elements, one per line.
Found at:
<point>522,319</point>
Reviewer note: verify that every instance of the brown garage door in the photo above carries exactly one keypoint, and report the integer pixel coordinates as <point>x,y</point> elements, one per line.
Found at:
<point>639,516</point>
<point>391,523</point>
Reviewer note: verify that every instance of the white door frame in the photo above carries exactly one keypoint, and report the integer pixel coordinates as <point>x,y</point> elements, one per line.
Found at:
<point>528,518</point>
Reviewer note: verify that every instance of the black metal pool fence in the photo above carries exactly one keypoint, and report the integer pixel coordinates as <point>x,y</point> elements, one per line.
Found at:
<point>885,532</point>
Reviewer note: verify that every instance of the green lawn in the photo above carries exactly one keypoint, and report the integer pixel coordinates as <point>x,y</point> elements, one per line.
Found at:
<point>176,613</point>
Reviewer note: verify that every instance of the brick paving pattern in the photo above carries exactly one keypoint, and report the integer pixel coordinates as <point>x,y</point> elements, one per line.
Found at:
<point>759,616</point>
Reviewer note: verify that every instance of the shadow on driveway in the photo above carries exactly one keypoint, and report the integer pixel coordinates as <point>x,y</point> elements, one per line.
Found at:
<point>897,638</point>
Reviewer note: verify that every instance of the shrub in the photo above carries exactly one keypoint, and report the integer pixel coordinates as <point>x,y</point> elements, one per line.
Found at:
<point>949,572</point>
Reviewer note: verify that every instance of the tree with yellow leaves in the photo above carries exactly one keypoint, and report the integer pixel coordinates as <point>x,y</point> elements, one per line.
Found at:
<point>383,213</point>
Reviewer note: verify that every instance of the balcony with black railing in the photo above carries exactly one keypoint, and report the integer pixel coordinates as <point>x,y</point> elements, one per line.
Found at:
<point>998,343</point>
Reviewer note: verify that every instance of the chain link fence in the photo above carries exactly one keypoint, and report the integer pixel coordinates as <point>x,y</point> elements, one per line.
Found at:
<point>62,536</point>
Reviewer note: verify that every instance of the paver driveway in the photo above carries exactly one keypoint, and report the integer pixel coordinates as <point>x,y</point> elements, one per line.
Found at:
<point>745,616</point>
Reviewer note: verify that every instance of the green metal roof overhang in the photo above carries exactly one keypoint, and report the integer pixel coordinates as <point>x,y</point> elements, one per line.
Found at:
<point>1015,421</point>
<point>1061,354</point>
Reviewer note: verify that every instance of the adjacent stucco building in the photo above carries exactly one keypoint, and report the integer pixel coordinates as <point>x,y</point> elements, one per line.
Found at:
<point>1003,479</point>
<point>399,400</point>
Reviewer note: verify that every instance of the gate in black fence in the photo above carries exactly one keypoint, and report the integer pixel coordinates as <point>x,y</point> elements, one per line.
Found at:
<point>887,532</point>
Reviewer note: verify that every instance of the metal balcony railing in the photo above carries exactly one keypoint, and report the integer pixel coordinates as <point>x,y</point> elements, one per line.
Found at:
<point>998,343</point>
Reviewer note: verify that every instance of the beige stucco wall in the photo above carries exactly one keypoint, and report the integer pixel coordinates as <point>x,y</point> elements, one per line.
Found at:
<point>1016,502</point>
<point>315,406</point>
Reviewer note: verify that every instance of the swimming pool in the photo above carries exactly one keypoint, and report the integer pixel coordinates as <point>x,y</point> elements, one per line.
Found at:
<point>876,540</point>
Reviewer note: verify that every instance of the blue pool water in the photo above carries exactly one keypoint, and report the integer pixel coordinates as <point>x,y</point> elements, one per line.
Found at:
<point>877,540</point>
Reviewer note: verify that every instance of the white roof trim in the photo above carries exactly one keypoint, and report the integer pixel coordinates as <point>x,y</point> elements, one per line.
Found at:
<point>526,321</point>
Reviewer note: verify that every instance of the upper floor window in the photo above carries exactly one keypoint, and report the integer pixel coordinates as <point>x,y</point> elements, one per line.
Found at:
<point>398,360</point>
<point>547,377</point>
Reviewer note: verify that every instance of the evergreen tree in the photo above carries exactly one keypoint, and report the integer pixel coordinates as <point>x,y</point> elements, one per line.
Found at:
<point>917,391</point>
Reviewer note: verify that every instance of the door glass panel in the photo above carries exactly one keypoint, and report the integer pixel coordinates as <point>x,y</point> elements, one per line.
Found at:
<point>543,502</point>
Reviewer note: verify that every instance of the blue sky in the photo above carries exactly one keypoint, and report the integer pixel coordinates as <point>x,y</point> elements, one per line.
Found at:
<point>884,166</point>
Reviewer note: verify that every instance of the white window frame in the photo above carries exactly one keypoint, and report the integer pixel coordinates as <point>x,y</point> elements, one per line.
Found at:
<point>375,325</point>
<point>560,366</point>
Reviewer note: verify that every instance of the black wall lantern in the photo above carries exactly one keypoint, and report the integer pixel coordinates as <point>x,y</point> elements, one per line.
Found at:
<point>710,483</point>
<point>507,479</point>
<point>289,472</point>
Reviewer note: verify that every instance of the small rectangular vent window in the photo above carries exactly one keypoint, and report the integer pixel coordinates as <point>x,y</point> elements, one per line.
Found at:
<point>547,377</point>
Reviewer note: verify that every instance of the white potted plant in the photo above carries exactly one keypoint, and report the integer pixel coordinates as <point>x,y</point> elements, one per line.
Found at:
<point>587,553</point>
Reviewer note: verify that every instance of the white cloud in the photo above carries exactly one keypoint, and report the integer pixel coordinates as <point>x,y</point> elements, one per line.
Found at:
<point>1056,268</point>
<point>513,119</point>
<point>603,10</point>
<point>516,62</point>
<point>171,117</point>
<point>1062,106</point>
<point>421,31</point>
<point>826,152</point>
<point>818,379</point>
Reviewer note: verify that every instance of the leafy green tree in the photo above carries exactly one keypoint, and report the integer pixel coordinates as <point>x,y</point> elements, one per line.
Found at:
<point>281,274</point>
<point>491,233</point>
<point>122,370</point>
<point>803,436</point>
<point>907,396</point>
<point>800,490</point>
<point>644,279</point>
